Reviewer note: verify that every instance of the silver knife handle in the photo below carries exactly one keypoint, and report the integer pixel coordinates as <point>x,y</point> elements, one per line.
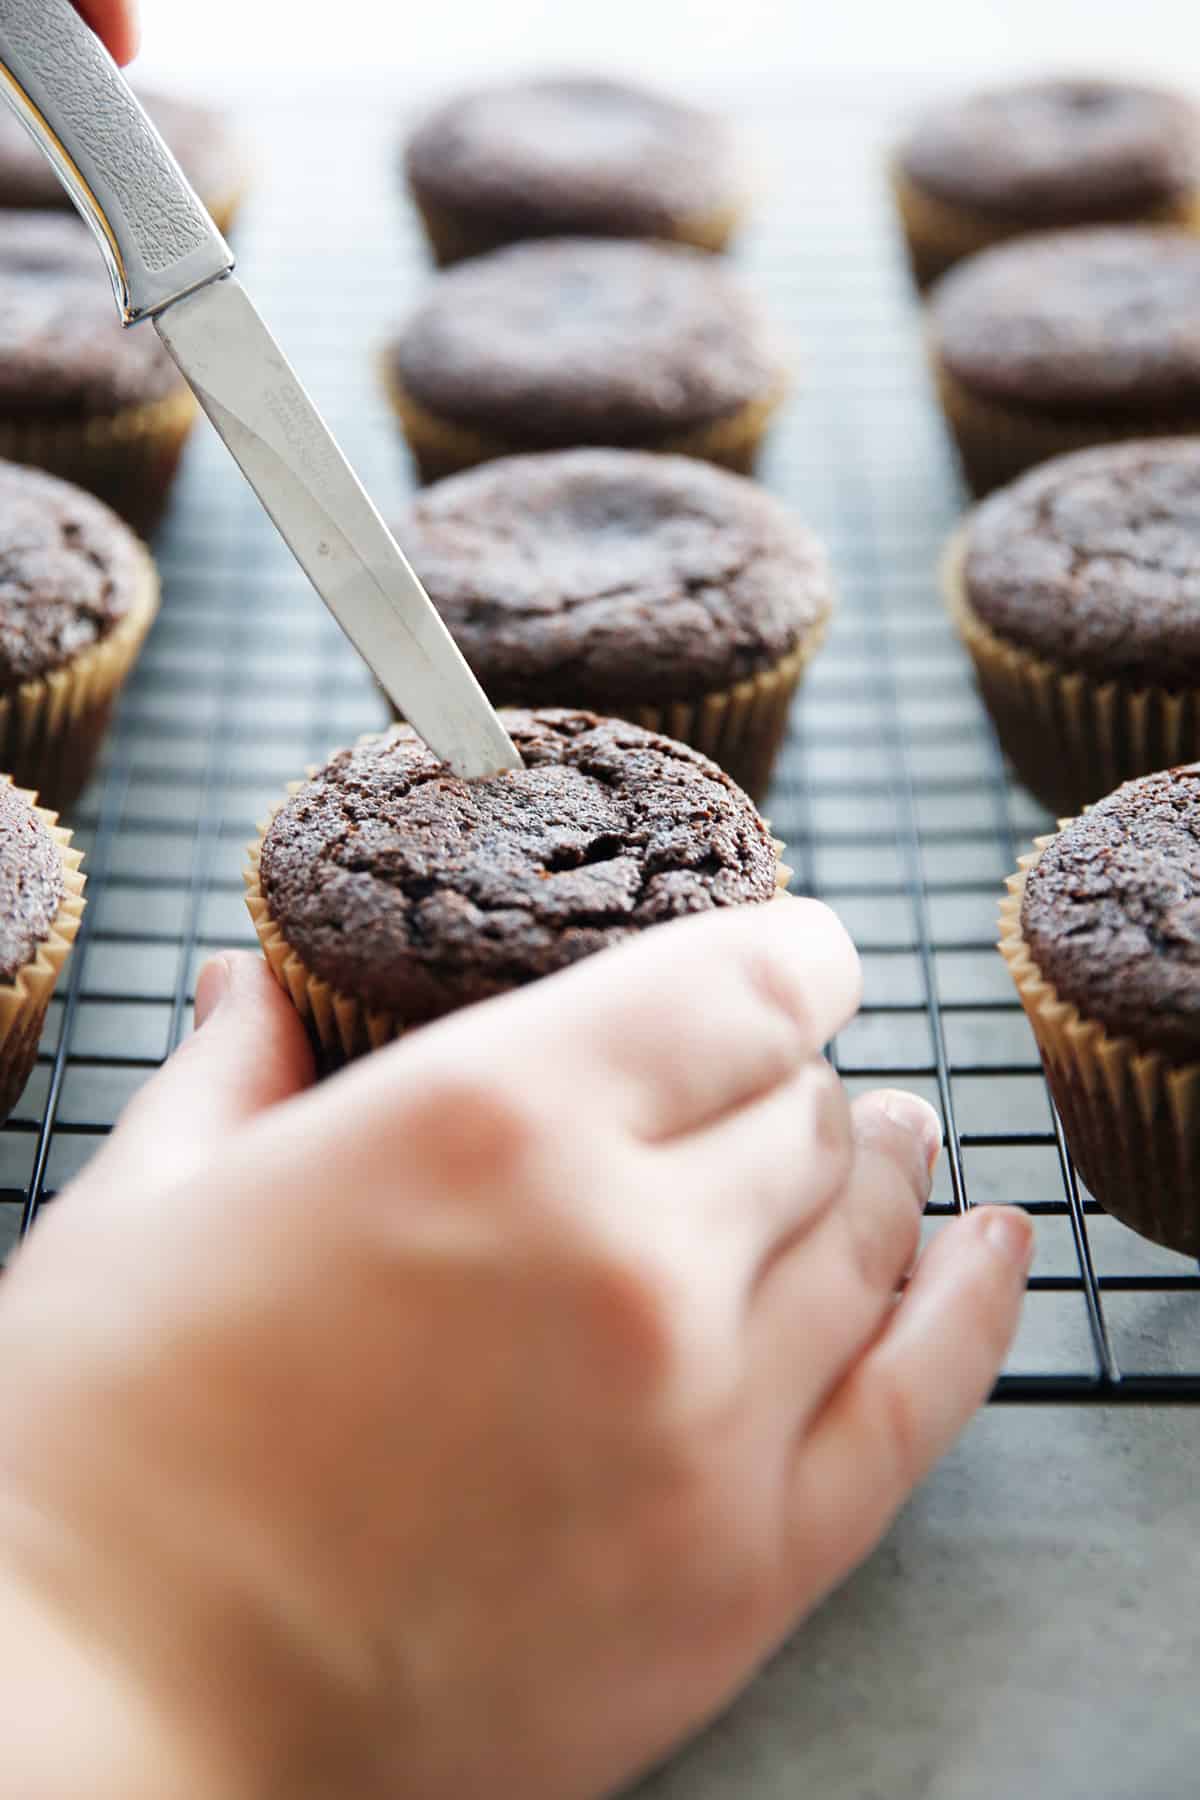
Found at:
<point>157,238</point>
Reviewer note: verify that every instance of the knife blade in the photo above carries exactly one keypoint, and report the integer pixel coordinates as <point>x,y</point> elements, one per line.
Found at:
<point>287,454</point>
<point>169,263</point>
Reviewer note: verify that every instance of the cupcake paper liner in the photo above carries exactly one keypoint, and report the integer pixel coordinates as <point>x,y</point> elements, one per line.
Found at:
<point>127,459</point>
<point>1072,739</point>
<point>996,443</point>
<point>51,728</point>
<point>1131,1117</point>
<point>454,236</point>
<point>24,999</point>
<point>340,1026</point>
<point>443,447</point>
<point>939,233</point>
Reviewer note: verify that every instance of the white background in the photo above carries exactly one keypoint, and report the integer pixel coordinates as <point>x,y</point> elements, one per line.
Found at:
<point>408,44</point>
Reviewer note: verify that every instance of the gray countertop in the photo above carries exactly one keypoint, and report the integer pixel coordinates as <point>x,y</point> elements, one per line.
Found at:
<point>1030,1627</point>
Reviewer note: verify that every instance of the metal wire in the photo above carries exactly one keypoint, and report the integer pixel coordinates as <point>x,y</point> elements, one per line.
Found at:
<point>891,795</point>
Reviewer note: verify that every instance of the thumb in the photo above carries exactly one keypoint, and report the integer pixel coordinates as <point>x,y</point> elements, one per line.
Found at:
<point>249,1051</point>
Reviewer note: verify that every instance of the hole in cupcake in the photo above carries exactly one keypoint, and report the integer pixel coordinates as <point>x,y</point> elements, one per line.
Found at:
<point>604,848</point>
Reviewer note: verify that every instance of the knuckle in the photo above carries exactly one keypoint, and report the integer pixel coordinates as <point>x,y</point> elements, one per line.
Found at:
<point>630,1311</point>
<point>475,1129</point>
<point>778,993</point>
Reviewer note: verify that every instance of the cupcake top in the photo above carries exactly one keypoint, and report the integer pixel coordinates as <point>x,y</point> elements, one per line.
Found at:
<point>69,571</point>
<point>587,339</point>
<point>63,353</point>
<point>548,158</point>
<point>1058,152</point>
<point>1081,321</point>
<point>1093,561</point>
<point>1111,913</point>
<point>199,137</point>
<point>31,882</point>
<point>610,576</point>
<point>419,892</point>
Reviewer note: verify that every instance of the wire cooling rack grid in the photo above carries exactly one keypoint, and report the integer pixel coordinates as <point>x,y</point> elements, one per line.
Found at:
<point>891,795</point>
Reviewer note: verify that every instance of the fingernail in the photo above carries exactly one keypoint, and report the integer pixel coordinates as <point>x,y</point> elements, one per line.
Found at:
<point>211,988</point>
<point>917,1117</point>
<point>1010,1233</point>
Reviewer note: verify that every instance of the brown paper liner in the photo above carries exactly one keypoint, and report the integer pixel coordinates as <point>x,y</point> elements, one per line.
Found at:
<point>127,459</point>
<point>997,443</point>
<point>24,999</point>
<point>340,1026</point>
<point>1072,739</point>
<point>938,233</point>
<point>51,729</point>
<point>454,236</point>
<point>1131,1118</point>
<point>443,447</point>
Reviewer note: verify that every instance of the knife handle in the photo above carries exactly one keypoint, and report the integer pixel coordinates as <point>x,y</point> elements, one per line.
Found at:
<point>157,238</point>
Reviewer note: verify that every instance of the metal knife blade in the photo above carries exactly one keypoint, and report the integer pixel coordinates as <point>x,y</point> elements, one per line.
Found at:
<point>288,455</point>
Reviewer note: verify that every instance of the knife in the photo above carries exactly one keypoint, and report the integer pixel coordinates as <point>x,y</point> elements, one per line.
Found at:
<point>170,264</point>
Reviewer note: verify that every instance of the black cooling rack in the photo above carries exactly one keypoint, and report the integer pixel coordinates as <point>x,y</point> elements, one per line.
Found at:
<point>891,795</point>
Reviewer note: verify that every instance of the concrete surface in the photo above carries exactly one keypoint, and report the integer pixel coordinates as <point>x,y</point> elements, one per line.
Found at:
<point>1030,1630</point>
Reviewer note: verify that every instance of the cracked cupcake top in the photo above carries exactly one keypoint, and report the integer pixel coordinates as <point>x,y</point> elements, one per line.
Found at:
<point>1111,913</point>
<point>588,340</point>
<point>1093,561</point>
<point>607,577</point>
<point>418,892</point>
<point>69,571</point>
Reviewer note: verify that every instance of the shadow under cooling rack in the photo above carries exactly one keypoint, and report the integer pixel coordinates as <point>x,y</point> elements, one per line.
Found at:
<point>891,795</point>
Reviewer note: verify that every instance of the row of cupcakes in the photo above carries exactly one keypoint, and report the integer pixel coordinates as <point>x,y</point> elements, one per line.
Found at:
<point>1056,228</point>
<point>1054,225</point>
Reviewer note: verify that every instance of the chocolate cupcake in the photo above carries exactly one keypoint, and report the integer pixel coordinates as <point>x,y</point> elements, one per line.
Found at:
<point>41,907</point>
<point>1101,933</point>
<point>572,157</point>
<point>104,408</point>
<point>1077,593</point>
<point>199,137</point>
<point>653,588</point>
<point>1055,342</point>
<point>387,892</point>
<point>1040,155</point>
<point>78,593</point>
<point>585,341</point>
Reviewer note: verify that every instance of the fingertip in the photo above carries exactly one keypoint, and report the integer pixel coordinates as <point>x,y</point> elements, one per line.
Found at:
<point>1008,1234</point>
<point>905,1126</point>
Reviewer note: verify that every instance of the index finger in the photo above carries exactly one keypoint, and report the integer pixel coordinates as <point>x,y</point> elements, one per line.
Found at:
<point>680,1026</point>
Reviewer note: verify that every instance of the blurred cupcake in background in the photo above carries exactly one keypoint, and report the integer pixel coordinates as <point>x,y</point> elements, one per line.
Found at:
<point>1040,155</point>
<point>200,137</point>
<point>572,156</point>
<point>585,341</point>
<point>1077,593</point>
<point>652,588</point>
<point>1058,341</point>
<point>78,594</point>
<point>101,407</point>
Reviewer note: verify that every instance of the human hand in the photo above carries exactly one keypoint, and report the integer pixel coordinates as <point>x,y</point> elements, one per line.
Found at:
<point>478,1421</point>
<point>116,21</point>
